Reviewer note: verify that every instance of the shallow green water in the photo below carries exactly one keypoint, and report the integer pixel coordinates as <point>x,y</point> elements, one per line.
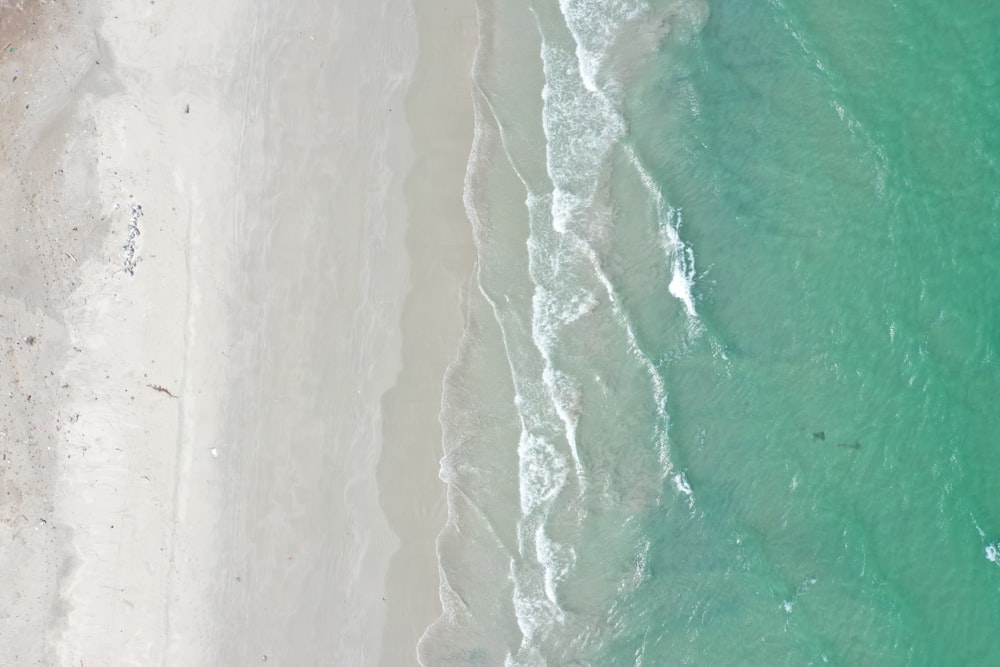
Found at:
<point>737,338</point>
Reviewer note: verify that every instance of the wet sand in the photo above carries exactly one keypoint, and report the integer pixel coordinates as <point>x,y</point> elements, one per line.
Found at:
<point>233,246</point>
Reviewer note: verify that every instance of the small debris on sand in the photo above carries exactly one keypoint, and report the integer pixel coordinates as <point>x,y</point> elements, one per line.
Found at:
<point>162,390</point>
<point>129,250</point>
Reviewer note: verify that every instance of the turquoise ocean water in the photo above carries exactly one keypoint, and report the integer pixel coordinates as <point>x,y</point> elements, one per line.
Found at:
<point>729,391</point>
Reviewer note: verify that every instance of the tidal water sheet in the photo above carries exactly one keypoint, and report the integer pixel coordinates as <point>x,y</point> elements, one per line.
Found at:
<point>630,442</point>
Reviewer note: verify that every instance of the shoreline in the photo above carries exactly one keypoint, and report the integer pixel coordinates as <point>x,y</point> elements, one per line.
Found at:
<point>274,362</point>
<point>440,244</point>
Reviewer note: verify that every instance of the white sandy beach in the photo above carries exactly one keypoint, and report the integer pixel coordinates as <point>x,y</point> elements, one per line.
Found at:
<point>231,453</point>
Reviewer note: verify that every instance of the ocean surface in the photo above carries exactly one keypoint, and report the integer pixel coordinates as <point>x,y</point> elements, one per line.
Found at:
<point>730,389</point>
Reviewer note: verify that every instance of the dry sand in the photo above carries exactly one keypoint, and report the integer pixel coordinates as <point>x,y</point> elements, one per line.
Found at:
<point>219,434</point>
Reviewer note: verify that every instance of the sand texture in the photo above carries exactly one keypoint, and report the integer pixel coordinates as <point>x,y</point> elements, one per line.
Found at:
<point>231,249</point>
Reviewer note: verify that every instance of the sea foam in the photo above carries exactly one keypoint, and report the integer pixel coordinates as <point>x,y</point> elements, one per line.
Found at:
<point>587,62</point>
